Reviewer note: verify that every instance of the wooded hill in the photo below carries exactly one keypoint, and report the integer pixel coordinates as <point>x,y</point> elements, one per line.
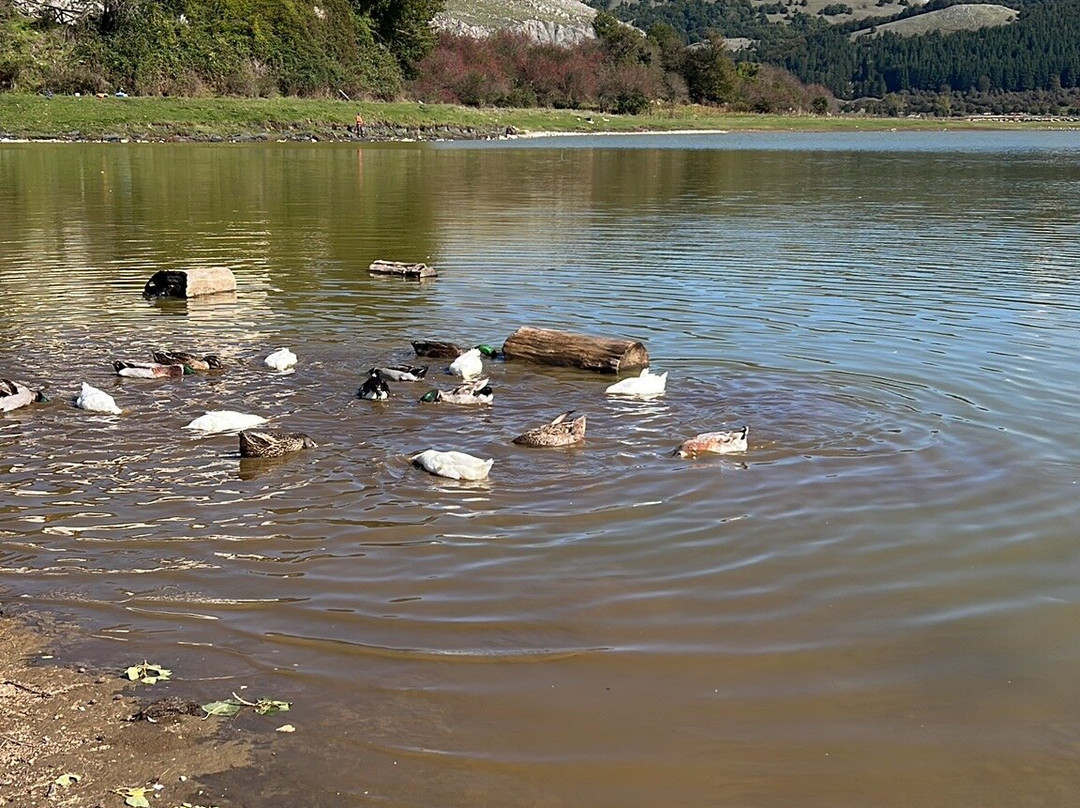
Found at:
<point>1037,53</point>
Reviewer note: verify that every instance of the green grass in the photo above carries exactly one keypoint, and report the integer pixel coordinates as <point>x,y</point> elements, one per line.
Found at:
<point>32,116</point>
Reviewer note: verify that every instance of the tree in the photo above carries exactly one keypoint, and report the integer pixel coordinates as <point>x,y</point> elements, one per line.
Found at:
<point>621,42</point>
<point>404,27</point>
<point>710,71</point>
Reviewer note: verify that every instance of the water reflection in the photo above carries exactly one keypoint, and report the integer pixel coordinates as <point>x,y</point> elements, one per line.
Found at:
<point>605,624</point>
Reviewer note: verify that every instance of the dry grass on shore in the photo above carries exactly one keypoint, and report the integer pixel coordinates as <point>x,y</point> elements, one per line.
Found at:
<point>157,118</point>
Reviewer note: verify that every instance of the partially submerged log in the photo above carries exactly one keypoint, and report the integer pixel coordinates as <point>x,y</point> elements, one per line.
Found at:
<point>190,282</point>
<point>402,269</point>
<point>549,347</point>
<point>437,350</point>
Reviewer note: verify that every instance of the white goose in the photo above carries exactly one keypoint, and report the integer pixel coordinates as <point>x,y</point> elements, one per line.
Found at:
<point>225,421</point>
<point>455,465</point>
<point>644,385</point>
<point>95,400</point>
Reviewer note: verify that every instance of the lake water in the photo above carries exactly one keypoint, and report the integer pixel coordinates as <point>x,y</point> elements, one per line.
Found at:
<point>876,605</point>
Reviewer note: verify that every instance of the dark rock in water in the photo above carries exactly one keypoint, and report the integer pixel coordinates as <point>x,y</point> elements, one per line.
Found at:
<point>190,282</point>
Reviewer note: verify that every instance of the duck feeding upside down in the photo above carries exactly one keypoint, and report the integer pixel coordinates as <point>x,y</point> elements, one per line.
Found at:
<point>556,433</point>
<point>150,370</point>
<point>281,360</point>
<point>94,400</point>
<point>644,385</point>
<point>272,443</point>
<point>14,395</point>
<point>208,362</point>
<point>401,373</point>
<point>454,465</point>
<point>477,392</point>
<point>714,443</point>
<point>470,364</point>
<point>225,421</point>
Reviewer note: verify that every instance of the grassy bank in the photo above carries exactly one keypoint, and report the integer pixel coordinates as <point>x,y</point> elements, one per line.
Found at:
<point>88,117</point>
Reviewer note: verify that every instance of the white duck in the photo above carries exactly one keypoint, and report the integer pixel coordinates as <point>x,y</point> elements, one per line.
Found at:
<point>469,364</point>
<point>644,385</point>
<point>281,360</point>
<point>14,395</point>
<point>455,465</point>
<point>96,400</point>
<point>225,421</point>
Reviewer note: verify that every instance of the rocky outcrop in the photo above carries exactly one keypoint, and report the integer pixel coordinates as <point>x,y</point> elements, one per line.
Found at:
<point>549,22</point>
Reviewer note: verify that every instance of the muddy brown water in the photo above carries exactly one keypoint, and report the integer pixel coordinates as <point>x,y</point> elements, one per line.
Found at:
<point>875,605</point>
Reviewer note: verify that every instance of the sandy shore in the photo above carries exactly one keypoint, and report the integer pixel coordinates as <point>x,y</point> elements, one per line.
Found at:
<point>57,721</point>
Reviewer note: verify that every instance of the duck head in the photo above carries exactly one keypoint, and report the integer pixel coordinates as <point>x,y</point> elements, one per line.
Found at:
<point>488,351</point>
<point>429,397</point>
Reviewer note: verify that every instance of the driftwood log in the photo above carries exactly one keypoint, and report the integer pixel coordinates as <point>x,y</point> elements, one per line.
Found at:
<point>550,347</point>
<point>190,282</point>
<point>402,269</point>
<point>437,350</point>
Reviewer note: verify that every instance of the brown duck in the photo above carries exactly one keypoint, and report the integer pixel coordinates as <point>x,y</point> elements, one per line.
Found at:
<point>556,433</point>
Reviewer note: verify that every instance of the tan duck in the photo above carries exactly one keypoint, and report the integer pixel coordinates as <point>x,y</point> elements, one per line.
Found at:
<point>14,395</point>
<point>272,443</point>
<point>556,433</point>
<point>208,362</point>
<point>714,443</point>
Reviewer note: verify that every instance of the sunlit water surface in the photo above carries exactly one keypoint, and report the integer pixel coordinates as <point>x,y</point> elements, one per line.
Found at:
<point>876,605</point>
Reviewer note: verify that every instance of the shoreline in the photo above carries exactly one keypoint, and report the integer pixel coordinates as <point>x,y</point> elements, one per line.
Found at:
<point>70,736</point>
<point>33,118</point>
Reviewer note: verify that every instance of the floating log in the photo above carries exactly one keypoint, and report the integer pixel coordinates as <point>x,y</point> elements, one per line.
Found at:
<point>402,269</point>
<point>549,347</point>
<point>190,282</point>
<point>437,350</point>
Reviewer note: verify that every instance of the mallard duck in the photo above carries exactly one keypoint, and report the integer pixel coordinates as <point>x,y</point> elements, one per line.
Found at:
<point>208,362</point>
<point>281,360</point>
<point>437,350</point>
<point>469,364</point>
<point>455,465</point>
<point>556,433</point>
<point>714,442</point>
<point>272,443</point>
<point>374,387</point>
<point>402,373</point>
<point>644,385</point>
<point>150,370</point>
<point>96,400</point>
<point>225,421</point>
<point>475,392</point>
<point>14,395</point>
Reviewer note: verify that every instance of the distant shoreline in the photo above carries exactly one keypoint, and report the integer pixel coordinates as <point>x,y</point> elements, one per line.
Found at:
<point>34,118</point>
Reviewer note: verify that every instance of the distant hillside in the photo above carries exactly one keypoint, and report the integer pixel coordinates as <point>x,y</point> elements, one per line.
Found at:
<point>558,22</point>
<point>967,17</point>
<point>1027,48</point>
